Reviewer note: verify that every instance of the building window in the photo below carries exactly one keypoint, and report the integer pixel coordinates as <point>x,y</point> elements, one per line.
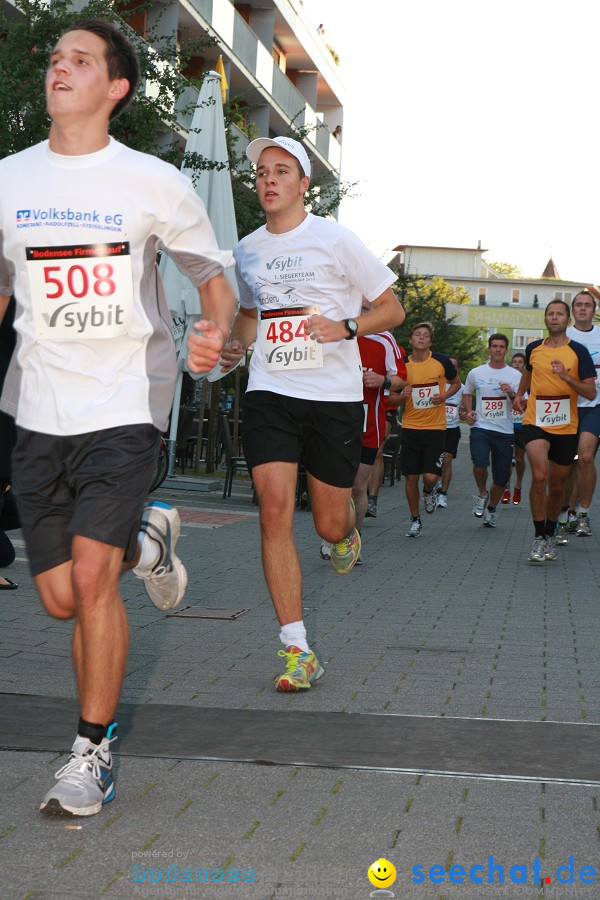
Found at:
<point>278,57</point>
<point>522,337</point>
<point>558,295</point>
<point>568,297</point>
<point>482,295</point>
<point>516,295</point>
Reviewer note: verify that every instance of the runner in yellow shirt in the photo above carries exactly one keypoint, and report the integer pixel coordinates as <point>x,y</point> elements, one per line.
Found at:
<point>558,371</point>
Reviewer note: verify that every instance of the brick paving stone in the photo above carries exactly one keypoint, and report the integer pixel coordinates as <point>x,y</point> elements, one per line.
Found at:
<point>455,624</point>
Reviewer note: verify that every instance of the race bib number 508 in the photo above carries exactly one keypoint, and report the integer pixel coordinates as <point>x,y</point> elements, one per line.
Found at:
<point>81,292</point>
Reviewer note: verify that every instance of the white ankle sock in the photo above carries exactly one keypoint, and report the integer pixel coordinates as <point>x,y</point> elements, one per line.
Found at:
<point>294,635</point>
<point>149,553</point>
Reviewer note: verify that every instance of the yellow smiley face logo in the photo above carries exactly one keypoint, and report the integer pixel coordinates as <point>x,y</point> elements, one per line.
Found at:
<point>381,873</point>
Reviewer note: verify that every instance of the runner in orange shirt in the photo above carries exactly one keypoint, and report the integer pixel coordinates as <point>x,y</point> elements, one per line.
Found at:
<point>558,371</point>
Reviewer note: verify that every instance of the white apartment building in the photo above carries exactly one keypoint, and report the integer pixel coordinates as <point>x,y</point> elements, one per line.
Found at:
<point>514,306</point>
<point>273,57</point>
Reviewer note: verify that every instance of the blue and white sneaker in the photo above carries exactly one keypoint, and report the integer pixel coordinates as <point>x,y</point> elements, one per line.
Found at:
<point>167,579</point>
<point>85,783</point>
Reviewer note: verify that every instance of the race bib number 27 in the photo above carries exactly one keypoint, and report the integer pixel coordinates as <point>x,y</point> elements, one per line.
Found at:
<point>552,412</point>
<point>81,292</point>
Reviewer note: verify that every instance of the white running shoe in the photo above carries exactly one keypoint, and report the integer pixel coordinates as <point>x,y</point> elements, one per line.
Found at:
<point>442,502</point>
<point>551,547</point>
<point>415,529</point>
<point>490,519</point>
<point>537,554</point>
<point>430,501</point>
<point>167,580</point>
<point>561,537</point>
<point>584,527</point>
<point>480,505</point>
<point>325,550</point>
<point>85,782</point>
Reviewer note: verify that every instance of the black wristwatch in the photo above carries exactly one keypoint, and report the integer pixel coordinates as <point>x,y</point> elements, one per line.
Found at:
<point>387,384</point>
<point>352,329</point>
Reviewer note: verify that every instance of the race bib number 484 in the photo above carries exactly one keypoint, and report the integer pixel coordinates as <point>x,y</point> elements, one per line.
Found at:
<point>81,292</point>
<point>284,343</point>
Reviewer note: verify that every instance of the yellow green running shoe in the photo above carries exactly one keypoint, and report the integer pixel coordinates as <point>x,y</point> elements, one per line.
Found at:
<point>302,669</point>
<point>345,553</point>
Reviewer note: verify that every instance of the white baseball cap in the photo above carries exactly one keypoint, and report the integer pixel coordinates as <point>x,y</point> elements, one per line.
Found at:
<point>255,148</point>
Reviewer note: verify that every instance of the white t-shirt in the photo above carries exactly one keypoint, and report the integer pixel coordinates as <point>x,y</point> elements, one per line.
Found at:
<point>591,340</point>
<point>78,243</point>
<point>317,267</point>
<point>452,405</point>
<point>493,408</point>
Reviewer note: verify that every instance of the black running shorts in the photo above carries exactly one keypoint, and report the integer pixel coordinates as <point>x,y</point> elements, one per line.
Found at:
<point>93,485</point>
<point>563,447</point>
<point>325,436</point>
<point>422,451</point>
<point>452,441</point>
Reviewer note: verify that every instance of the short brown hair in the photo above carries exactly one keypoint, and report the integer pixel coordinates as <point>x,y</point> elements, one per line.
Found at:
<point>498,337</point>
<point>584,293</point>
<point>120,55</point>
<point>426,325</point>
<point>554,302</point>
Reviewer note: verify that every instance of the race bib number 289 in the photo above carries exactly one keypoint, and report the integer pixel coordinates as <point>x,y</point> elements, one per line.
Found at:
<point>81,292</point>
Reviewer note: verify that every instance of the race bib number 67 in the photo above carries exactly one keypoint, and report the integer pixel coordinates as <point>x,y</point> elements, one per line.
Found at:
<point>81,292</point>
<point>423,394</point>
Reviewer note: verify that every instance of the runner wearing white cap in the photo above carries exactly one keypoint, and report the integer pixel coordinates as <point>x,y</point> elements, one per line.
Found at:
<point>302,280</point>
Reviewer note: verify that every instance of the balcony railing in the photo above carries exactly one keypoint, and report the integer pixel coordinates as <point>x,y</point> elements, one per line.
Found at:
<point>245,43</point>
<point>204,7</point>
<point>287,96</point>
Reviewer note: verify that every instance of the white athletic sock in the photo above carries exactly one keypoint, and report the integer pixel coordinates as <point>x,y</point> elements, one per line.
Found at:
<point>583,510</point>
<point>294,635</point>
<point>563,517</point>
<point>149,553</point>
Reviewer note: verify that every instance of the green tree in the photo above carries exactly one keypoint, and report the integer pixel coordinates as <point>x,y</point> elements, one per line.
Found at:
<point>506,268</point>
<point>424,300</point>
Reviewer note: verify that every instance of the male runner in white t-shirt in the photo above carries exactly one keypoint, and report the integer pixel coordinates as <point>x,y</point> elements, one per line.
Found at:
<point>492,434</point>
<point>581,482</point>
<point>302,279</point>
<point>81,220</point>
<point>453,413</point>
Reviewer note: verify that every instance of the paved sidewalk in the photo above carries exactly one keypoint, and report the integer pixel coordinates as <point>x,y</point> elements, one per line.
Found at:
<point>454,624</point>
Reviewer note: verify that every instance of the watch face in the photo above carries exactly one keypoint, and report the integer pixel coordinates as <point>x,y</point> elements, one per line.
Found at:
<point>352,327</point>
